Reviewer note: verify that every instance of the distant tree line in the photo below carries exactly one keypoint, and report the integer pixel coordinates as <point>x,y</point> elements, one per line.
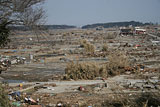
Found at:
<point>59,26</point>
<point>49,27</point>
<point>116,24</point>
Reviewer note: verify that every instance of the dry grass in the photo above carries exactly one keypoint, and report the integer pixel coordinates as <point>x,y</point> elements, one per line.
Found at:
<point>90,70</point>
<point>105,48</point>
<point>4,101</point>
<point>117,62</point>
<point>88,47</point>
<point>137,100</point>
<point>110,36</point>
<point>84,70</point>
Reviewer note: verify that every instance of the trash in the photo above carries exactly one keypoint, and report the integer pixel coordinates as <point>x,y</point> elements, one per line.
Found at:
<point>14,51</point>
<point>30,101</point>
<point>50,88</point>
<point>10,97</point>
<point>16,104</point>
<point>136,46</point>
<point>59,104</point>
<point>81,88</point>
<point>53,94</point>
<point>148,86</point>
<point>30,39</point>
<point>13,61</point>
<point>21,86</point>
<point>37,100</point>
<point>15,94</point>
<point>42,61</point>
<point>105,85</point>
<point>31,57</point>
<point>103,79</point>
<point>52,105</point>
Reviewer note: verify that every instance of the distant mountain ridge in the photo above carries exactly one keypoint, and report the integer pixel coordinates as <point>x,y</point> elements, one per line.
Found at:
<point>116,24</point>
<point>105,25</point>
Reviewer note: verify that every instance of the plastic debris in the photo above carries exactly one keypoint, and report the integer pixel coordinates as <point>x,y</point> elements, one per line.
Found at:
<point>81,88</point>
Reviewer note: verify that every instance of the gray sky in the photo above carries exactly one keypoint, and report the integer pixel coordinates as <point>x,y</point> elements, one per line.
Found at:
<point>82,12</point>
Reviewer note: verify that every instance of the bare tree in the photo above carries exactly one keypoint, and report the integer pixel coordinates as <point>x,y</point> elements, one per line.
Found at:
<point>19,12</point>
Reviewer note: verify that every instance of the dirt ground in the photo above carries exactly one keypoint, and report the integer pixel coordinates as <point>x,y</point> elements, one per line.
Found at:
<point>58,47</point>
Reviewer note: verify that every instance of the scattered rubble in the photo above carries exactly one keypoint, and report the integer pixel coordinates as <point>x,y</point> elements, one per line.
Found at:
<point>46,60</point>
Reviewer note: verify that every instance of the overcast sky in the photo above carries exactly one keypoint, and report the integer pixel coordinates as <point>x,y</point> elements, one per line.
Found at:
<point>82,12</point>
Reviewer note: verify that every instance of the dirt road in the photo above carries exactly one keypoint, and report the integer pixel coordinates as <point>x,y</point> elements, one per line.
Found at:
<point>61,86</point>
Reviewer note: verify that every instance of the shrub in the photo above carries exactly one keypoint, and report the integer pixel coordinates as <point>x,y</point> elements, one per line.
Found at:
<point>110,36</point>
<point>137,100</point>
<point>89,48</point>
<point>105,48</point>
<point>90,70</point>
<point>4,34</point>
<point>148,100</point>
<point>84,70</point>
<point>117,62</point>
<point>82,43</point>
<point>4,101</point>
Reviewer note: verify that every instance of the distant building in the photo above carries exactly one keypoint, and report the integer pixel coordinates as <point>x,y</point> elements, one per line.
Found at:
<point>99,28</point>
<point>138,30</point>
<point>126,31</point>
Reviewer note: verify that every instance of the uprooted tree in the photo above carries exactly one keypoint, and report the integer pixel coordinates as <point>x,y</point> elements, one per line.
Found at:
<point>19,12</point>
